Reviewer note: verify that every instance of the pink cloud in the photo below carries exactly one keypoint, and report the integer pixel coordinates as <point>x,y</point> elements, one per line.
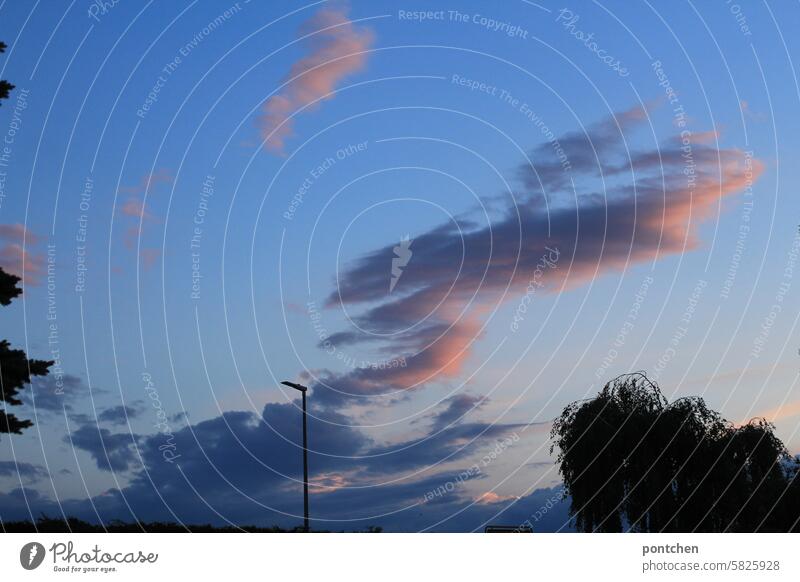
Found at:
<point>327,483</point>
<point>134,207</point>
<point>492,497</point>
<point>149,181</point>
<point>337,49</point>
<point>293,307</point>
<point>787,410</point>
<point>149,257</point>
<point>22,263</point>
<point>18,233</point>
<point>16,256</point>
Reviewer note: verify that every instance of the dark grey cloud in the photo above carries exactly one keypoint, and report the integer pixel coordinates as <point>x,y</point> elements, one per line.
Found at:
<point>443,446</point>
<point>244,468</point>
<point>111,451</point>
<point>53,393</point>
<point>588,153</point>
<point>396,508</point>
<point>456,408</point>
<point>119,414</point>
<point>28,471</point>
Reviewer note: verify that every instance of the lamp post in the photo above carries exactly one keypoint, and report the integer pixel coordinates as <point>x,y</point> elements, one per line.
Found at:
<point>302,389</point>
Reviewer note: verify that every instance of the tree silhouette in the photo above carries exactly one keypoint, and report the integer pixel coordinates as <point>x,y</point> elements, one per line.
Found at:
<point>15,367</point>
<point>632,461</point>
<point>5,86</point>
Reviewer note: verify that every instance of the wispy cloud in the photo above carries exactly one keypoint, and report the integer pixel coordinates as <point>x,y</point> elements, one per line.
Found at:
<point>134,204</point>
<point>148,181</point>
<point>780,413</point>
<point>134,207</point>
<point>337,48</point>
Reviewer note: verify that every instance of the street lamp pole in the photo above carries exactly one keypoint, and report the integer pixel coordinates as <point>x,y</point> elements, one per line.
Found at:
<point>302,389</point>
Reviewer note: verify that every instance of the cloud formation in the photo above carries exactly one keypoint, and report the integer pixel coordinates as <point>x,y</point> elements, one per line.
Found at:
<point>337,48</point>
<point>245,468</point>
<point>632,206</point>
<point>454,513</point>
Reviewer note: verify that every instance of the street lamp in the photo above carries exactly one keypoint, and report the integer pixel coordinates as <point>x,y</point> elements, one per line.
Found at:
<point>303,390</point>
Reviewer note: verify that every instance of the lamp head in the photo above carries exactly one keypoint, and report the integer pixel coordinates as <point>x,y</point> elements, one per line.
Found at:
<point>299,387</point>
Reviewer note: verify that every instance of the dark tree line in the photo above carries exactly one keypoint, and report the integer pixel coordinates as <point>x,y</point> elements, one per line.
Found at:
<point>46,524</point>
<point>630,460</point>
<point>15,367</point>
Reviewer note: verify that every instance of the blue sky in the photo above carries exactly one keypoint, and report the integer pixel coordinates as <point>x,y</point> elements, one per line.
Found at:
<point>298,144</point>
